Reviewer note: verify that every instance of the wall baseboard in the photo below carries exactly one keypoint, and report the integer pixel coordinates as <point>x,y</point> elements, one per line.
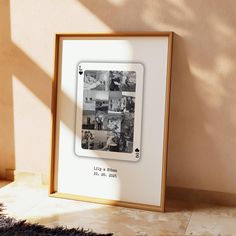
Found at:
<point>201,196</point>
<point>10,174</point>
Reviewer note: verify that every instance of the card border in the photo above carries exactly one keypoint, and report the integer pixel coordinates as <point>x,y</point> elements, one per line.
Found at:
<point>139,69</point>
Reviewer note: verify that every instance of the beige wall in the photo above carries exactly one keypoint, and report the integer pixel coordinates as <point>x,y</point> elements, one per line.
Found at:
<point>203,115</point>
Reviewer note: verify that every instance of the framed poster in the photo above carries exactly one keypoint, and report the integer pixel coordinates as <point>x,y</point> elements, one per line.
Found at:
<point>110,112</point>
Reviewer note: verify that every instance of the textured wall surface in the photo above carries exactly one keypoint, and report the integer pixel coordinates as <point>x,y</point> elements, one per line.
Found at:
<point>203,116</point>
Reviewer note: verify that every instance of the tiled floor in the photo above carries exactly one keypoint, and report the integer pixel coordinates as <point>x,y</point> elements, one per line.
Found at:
<point>25,200</point>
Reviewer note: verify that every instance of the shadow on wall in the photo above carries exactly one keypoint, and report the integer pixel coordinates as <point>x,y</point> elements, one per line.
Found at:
<point>124,15</point>
<point>14,62</point>
<point>203,101</point>
<point>7,146</point>
<point>202,121</point>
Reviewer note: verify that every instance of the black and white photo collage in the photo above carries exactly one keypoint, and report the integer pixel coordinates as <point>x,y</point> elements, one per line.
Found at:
<point>108,110</point>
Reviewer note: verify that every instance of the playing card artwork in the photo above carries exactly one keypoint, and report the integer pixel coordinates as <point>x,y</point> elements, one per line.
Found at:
<point>109,110</point>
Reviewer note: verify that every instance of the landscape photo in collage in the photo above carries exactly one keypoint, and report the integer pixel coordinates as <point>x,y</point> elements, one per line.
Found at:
<point>108,110</point>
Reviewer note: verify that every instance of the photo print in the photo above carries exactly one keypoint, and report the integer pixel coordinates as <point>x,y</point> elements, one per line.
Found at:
<point>110,124</point>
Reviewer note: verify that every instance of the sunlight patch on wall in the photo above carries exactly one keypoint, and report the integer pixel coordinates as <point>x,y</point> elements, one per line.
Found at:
<point>208,86</point>
<point>31,121</point>
<point>172,16</point>
<point>224,66</point>
<point>182,8</point>
<point>34,31</point>
<point>220,27</point>
<point>118,3</point>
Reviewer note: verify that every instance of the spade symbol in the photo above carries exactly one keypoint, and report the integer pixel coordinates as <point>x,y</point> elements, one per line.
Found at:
<point>81,72</point>
<point>136,150</point>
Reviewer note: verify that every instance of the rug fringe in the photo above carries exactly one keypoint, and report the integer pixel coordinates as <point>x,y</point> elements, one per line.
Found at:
<point>10,226</point>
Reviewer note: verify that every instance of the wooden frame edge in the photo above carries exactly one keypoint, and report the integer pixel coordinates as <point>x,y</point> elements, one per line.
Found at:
<point>167,119</point>
<point>117,34</point>
<point>56,194</point>
<point>106,201</point>
<point>53,115</point>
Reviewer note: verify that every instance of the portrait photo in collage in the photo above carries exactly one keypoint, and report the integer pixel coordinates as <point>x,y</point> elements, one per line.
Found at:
<point>108,110</point>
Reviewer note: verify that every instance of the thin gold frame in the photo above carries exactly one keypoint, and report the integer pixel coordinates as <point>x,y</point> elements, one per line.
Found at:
<point>52,191</point>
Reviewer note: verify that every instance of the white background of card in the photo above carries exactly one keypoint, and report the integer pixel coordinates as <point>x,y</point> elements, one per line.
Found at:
<point>138,68</point>
<point>137,182</point>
